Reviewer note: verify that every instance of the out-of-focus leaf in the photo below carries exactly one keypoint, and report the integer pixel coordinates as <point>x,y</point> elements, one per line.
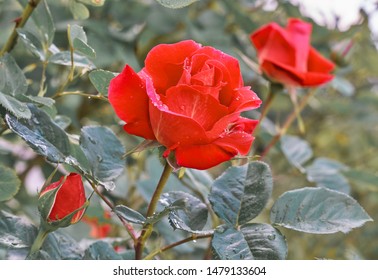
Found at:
<point>362,176</point>
<point>193,216</point>
<point>41,100</point>
<point>42,134</point>
<point>343,86</point>
<point>230,244</point>
<point>100,79</point>
<point>96,3</point>
<point>79,10</point>
<point>318,210</point>
<point>64,58</point>
<point>16,233</point>
<point>101,250</point>
<point>45,24</point>
<point>78,41</point>
<point>265,241</point>
<point>241,193</point>
<point>62,121</point>
<point>296,150</point>
<point>129,214</point>
<point>104,152</point>
<point>12,79</point>
<point>32,43</point>
<point>175,4</point>
<point>59,246</point>
<point>17,108</point>
<point>326,173</point>
<point>9,183</point>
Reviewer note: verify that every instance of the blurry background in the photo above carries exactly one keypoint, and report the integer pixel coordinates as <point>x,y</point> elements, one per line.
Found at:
<point>341,121</point>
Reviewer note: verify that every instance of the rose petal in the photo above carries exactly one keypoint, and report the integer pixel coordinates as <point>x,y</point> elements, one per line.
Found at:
<point>70,197</point>
<point>210,155</point>
<point>299,33</point>
<point>164,63</point>
<point>273,45</point>
<point>127,95</point>
<point>244,99</point>
<point>203,108</point>
<point>171,129</point>
<point>318,63</point>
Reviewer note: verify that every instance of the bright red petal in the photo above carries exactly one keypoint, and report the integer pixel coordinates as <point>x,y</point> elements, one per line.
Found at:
<point>283,73</point>
<point>70,197</point>
<point>210,155</point>
<point>164,63</point>
<point>299,33</point>
<point>316,79</point>
<point>170,128</point>
<point>318,63</point>
<point>127,95</point>
<point>244,99</point>
<point>204,109</point>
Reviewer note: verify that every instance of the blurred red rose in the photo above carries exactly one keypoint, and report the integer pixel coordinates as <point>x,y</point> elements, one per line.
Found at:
<point>68,196</point>
<point>188,98</point>
<point>99,229</point>
<point>286,56</point>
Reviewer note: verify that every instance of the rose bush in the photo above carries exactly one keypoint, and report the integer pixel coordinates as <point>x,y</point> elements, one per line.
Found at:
<point>67,197</point>
<point>188,98</point>
<point>286,56</point>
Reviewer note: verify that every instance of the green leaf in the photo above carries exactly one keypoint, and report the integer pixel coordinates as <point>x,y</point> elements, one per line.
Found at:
<point>40,100</point>
<point>104,152</point>
<point>100,79</point>
<point>16,234</point>
<point>18,109</point>
<point>9,183</point>
<point>96,3</point>
<point>318,210</point>
<point>64,58</point>
<point>230,244</point>
<point>59,246</point>
<point>175,4</point>
<point>42,134</point>
<point>62,121</point>
<point>129,214</point>
<point>343,86</point>
<point>327,165</point>
<point>192,217</point>
<point>12,79</point>
<point>32,43</point>
<point>296,150</point>
<point>78,41</point>
<point>101,250</point>
<point>265,241</point>
<point>44,21</point>
<point>362,176</point>
<point>241,193</point>
<point>79,10</point>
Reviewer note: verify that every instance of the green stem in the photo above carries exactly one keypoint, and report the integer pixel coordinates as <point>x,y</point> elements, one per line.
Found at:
<point>129,228</point>
<point>147,229</point>
<point>170,246</point>
<point>288,122</point>
<point>38,241</point>
<point>65,93</point>
<point>32,4</point>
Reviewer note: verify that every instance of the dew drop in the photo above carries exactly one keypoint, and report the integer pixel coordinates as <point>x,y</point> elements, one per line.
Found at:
<point>194,241</point>
<point>36,121</point>
<point>99,158</point>
<point>271,236</point>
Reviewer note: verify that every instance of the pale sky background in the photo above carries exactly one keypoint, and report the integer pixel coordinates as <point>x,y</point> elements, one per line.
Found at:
<point>324,12</point>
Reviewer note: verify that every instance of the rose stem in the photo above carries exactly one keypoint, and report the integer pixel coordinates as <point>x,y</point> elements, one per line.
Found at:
<point>38,241</point>
<point>129,228</point>
<point>32,4</point>
<point>147,228</point>
<point>170,246</point>
<point>288,122</point>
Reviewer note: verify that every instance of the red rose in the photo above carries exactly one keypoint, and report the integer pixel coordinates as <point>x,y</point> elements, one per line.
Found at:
<point>188,98</point>
<point>286,56</point>
<point>69,196</point>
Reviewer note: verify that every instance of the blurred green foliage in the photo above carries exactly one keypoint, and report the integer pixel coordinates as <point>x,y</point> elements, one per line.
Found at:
<point>341,121</point>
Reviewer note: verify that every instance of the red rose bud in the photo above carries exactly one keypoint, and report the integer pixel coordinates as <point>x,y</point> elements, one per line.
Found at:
<point>63,203</point>
<point>188,98</point>
<point>286,56</point>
